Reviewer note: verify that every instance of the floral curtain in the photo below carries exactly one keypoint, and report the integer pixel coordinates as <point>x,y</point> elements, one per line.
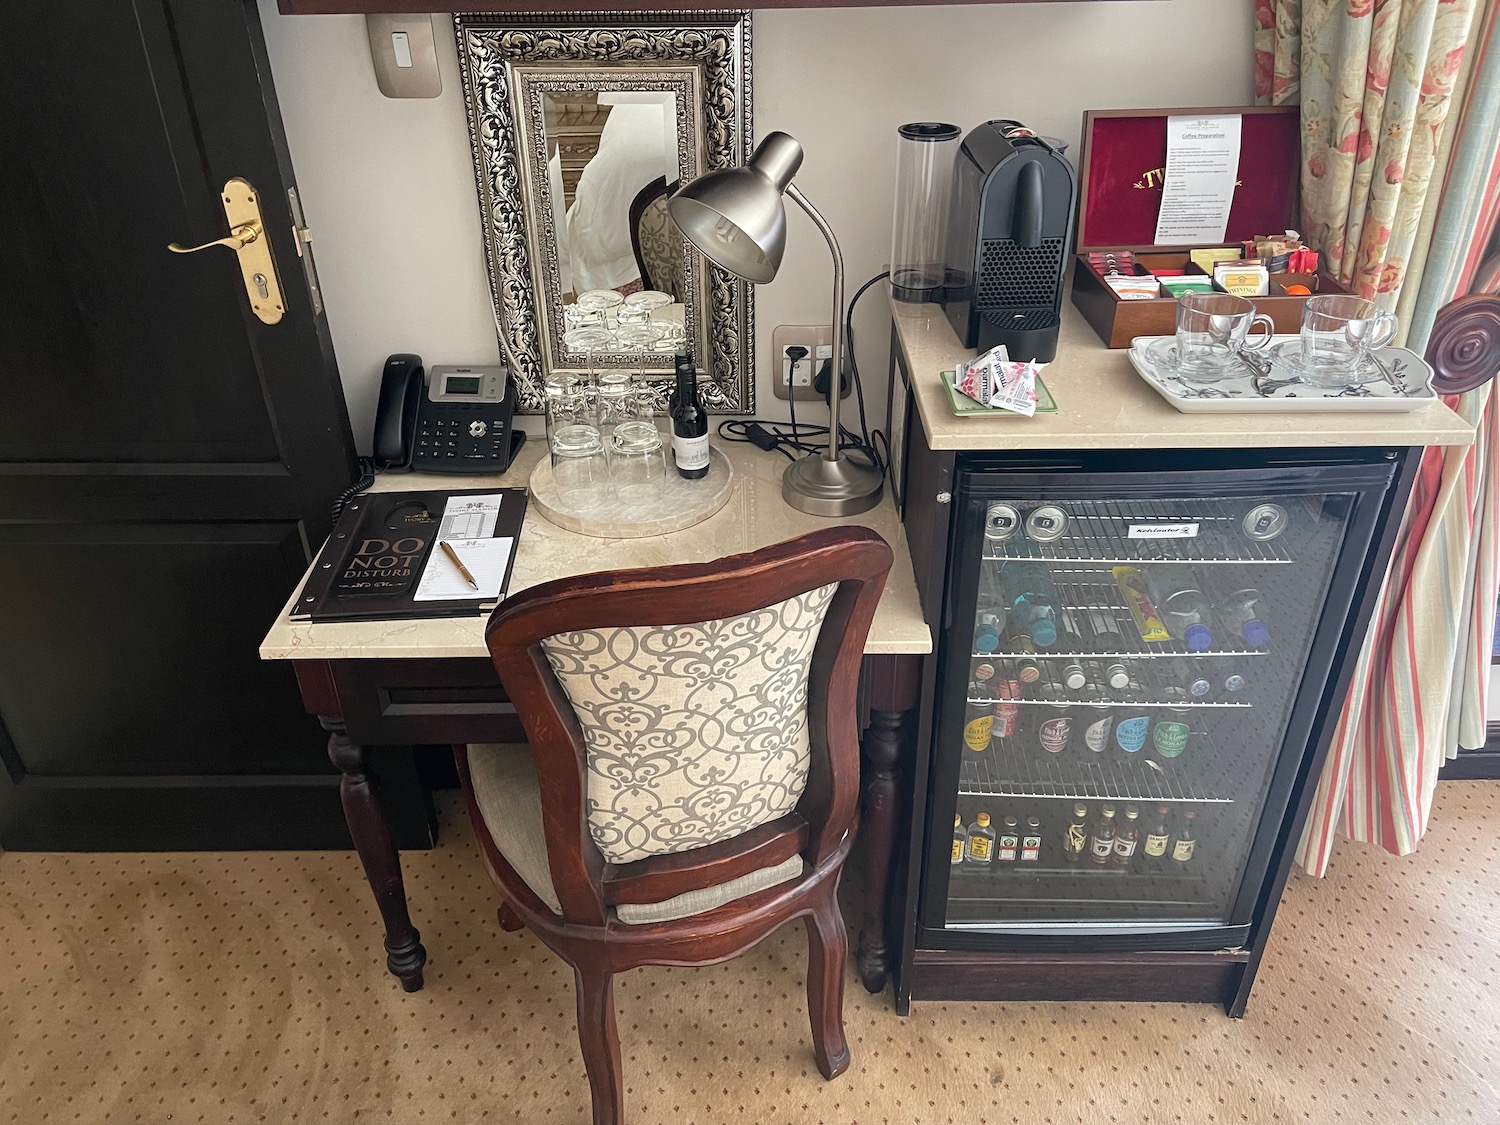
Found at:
<point>1375,80</point>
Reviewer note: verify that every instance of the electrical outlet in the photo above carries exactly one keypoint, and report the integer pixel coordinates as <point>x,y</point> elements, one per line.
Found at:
<point>797,376</point>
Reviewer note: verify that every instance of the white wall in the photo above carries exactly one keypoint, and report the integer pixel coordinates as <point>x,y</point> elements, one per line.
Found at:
<point>389,186</point>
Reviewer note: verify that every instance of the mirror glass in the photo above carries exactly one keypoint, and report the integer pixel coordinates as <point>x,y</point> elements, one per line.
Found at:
<point>582,129</point>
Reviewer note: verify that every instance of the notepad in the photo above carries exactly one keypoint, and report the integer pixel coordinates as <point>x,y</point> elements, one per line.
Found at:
<point>487,560</point>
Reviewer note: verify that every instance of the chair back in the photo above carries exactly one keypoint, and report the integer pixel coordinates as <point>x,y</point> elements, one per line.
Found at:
<point>692,724</point>
<point>660,250</point>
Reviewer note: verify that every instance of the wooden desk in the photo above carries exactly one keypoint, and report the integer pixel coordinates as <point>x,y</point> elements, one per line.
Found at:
<point>374,683</point>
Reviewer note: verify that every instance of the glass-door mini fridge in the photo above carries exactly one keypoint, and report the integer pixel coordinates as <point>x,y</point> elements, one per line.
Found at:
<point>1130,666</point>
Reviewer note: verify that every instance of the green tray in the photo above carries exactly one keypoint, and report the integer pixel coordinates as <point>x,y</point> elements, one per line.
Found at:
<point>964,406</point>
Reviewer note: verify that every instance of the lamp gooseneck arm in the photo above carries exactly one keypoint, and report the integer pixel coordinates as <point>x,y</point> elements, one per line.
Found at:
<point>836,383</point>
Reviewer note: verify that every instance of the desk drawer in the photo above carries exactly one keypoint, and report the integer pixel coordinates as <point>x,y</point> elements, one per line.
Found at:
<point>425,701</point>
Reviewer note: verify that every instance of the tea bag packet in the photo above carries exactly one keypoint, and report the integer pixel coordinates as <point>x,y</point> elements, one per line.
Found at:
<point>994,380</point>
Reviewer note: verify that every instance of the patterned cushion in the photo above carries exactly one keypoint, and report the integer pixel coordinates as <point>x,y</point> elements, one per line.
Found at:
<point>695,733</point>
<point>510,801</point>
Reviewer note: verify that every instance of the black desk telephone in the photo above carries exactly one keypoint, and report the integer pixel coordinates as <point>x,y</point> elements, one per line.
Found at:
<point>448,420</point>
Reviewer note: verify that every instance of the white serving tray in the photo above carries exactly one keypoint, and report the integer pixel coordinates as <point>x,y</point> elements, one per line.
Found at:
<point>1240,396</point>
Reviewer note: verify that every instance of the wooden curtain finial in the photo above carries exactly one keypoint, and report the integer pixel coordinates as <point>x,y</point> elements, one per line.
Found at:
<point>1464,346</point>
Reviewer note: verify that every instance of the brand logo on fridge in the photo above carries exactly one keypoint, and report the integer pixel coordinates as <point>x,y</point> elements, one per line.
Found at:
<point>1163,531</point>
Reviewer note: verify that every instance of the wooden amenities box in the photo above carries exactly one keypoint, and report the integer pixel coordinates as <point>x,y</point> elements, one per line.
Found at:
<point>1119,197</point>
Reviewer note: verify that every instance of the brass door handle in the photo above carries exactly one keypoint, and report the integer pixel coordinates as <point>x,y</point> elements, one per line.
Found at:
<point>247,239</point>
<point>238,239</point>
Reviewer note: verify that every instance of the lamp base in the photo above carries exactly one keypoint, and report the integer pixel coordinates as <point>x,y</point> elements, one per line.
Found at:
<point>821,487</point>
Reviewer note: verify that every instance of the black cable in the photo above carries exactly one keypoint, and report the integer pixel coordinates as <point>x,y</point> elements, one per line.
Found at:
<point>366,478</point>
<point>859,386</point>
<point>794,440</point>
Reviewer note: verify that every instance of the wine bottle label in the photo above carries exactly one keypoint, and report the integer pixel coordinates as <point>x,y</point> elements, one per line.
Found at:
<point>1102,845</point>
<point>977,733</point>
<point>1096,734</point>
<point>958,849</point>
<point>1054,734</point>
<point>1007,849</point>
<point>1131,733</point>
<point>1182,851</point>
<point>1031,848</point>
<point>981,849</point>
<point>1076,840</point>
<point>690,452</point>
<point>1156,846</point>
<point>1124,849</point>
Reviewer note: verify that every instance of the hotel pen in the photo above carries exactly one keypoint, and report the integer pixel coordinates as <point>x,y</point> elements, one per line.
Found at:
<point>458,562</point>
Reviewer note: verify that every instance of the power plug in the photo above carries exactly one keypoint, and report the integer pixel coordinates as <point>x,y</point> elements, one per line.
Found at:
<point>823,381</point>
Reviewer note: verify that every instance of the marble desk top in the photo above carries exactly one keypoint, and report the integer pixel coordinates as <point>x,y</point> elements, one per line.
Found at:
<point>755,517</point>
<point>1103,404</point>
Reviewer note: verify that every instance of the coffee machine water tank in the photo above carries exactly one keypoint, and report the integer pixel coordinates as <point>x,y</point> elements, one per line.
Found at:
<point>1010,229</point>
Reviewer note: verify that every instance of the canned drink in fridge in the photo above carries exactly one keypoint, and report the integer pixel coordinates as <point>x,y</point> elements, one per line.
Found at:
<point>1001,521</point>
<point>1047,523</point>
<point>1263,522</point>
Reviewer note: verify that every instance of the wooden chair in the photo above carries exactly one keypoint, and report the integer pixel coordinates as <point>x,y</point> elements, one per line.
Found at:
<point>692,776</point>
<point>660,250</point>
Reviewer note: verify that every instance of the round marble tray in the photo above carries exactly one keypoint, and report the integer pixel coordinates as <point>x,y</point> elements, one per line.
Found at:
<point>680,503</point>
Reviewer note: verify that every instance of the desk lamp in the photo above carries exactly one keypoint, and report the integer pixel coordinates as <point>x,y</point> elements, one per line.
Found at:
<point>735,216</point>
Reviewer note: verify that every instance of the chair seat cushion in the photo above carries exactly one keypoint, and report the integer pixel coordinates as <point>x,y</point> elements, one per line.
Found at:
<point>696,902</point>
<point>510,801</point>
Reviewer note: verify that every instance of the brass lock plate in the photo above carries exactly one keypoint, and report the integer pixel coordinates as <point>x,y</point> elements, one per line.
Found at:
<point>257,265</point>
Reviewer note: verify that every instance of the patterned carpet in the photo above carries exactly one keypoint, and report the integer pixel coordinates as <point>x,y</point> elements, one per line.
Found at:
<point>247,987</point>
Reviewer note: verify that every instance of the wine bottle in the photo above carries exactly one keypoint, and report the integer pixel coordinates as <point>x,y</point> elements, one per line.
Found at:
<point>689,423</point>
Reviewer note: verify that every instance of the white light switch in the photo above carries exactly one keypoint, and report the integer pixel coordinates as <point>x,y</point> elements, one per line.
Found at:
<point>405,55</point>
<point>401,44</point>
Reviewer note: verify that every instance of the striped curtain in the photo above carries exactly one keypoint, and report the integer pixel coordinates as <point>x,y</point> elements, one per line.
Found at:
<point>1420,686</point>
<point>1423,672</point>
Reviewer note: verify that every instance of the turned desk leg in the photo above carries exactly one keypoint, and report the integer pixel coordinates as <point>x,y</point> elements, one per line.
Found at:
<point>359,790</point>
<point>882,749</point>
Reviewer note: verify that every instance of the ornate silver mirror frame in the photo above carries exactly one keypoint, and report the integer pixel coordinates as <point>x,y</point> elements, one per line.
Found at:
<point>697,62</point>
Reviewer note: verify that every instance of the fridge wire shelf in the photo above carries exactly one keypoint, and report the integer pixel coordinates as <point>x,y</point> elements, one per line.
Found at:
<point>1151,685</point>
<point>1014,773</point>
<point>1098,533</point>
<point>1082,590</point>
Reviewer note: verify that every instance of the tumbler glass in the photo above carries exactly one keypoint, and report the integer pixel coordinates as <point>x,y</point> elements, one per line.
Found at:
<point>606,302</point>
<point>589,341</point>
<point>638,453</point>
<point>575,442</point>
<point>638,307</point>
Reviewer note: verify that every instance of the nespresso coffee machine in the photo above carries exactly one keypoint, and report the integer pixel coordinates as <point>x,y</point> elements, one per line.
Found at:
<point>1010,226</point>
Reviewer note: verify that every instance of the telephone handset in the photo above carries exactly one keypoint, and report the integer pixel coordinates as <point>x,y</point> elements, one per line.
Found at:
<point>447,420</point>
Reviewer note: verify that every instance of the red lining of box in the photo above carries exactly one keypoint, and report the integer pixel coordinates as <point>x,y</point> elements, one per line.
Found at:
<point>1123,149</point>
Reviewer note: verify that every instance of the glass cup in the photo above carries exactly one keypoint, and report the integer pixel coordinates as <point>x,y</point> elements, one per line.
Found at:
<point>575,442</point>
<point>589,341</point>
<point>1338,335</point>
<point>1212,330</point>
<point>605,302</point>
<point>638,456</point>
<point>639,306</point>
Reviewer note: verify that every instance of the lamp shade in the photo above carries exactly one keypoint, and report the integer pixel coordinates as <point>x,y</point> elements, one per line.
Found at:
<point>735,216</point>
